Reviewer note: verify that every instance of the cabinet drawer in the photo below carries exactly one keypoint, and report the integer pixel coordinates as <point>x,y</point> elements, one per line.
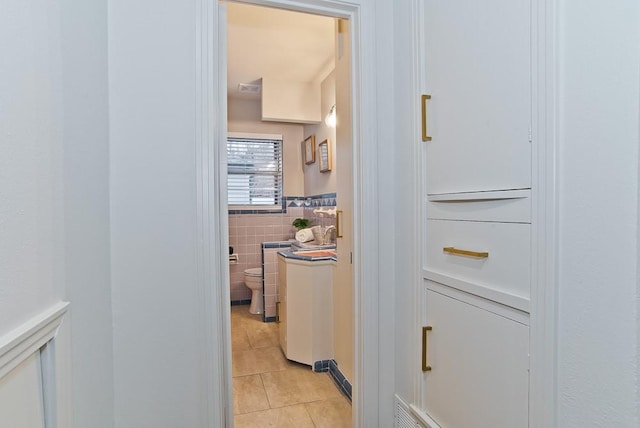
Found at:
<point>513,206</point>
<point>503,276</point>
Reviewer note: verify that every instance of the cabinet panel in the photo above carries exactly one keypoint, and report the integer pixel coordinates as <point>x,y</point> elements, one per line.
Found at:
<point>282,304</point>
<point>510,206</point>
<point>306,328</point>
<point>478,73</point>
<point>479,376</point>
<point>506,269</point>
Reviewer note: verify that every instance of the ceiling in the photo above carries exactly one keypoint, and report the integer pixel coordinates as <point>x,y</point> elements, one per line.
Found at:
<point>284,45</point>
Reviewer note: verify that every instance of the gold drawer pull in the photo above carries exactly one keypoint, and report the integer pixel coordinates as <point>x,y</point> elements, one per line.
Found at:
<point>478,254</point>
<point>423,100</point>
<point>425,366</point>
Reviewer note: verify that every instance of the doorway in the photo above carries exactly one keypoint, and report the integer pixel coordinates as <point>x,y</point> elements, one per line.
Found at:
<point>255,111</point>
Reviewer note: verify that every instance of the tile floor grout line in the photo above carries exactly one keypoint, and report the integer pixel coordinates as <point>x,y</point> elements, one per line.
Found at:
<point>329,402</point>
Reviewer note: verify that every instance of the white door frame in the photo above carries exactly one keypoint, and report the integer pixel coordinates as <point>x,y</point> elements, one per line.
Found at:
<point>212,201</point>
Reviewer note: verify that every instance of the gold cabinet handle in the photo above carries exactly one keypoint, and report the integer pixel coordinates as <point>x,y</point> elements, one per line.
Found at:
<point>424,99</point>
<point>457,251</point>
<point>425,366</point>
<point>338,229</point>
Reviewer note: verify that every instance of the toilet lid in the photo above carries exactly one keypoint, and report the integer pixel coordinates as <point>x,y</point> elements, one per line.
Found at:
<point>253,272</point>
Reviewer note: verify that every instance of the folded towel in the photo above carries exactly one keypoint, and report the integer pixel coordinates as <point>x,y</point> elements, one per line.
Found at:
<point>304,235</point>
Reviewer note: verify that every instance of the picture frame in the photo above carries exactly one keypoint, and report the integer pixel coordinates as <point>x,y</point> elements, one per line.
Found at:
<point>324,154</point>
<point>309,150</point>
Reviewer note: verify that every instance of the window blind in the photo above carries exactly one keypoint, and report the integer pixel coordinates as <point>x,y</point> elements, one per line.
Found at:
<point>254,171</point>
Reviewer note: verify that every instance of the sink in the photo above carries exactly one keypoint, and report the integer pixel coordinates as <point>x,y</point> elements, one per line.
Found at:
<point>305,246</point>
<point>310,254</point>
<point>316,253</point>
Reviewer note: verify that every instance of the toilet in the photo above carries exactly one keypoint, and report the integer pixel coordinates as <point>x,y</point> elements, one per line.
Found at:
<point>253,280</point>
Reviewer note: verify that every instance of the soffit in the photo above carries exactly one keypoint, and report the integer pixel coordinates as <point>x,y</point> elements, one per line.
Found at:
<point>285,45</point>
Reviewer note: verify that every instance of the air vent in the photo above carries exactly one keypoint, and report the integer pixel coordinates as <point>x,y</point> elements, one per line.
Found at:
<point>404,419</point>
<point>248,88</point>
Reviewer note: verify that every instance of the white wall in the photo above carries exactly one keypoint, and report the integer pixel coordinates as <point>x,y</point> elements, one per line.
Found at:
<point>32,188</point>
<point>158,324</point>
<point>599,112</point>
<point>31,149</point>
<point>86,209</point>
<point>316,182</point>
<point>244,116</point>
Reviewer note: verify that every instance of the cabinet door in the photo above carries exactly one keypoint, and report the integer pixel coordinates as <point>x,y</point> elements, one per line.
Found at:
<point>479,366</point>
<point>478,73</point>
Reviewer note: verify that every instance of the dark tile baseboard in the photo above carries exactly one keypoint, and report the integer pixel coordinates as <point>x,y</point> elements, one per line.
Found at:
<point>343,384</point>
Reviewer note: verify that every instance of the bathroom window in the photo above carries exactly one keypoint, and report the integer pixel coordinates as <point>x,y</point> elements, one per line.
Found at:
<point>254,170</point>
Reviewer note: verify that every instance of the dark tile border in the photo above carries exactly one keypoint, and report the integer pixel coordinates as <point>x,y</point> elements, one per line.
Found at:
<point>240,302</point>
<point>322,200</point>
<point>321,366</point>
<point>343,384</point>
<point>276,244</point>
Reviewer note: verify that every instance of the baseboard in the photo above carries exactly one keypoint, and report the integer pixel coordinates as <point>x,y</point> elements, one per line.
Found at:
<point>321,366</point>
<point>340,380</point>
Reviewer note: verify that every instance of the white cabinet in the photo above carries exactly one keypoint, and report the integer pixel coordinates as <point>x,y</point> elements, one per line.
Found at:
<point>478,73</point>
<point>479,366</point>
<point>477,199</point>
<point>281,304</point>
<point>305,309</point>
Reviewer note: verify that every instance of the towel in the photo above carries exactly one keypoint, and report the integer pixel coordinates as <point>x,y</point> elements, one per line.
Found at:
<point>304,235</point>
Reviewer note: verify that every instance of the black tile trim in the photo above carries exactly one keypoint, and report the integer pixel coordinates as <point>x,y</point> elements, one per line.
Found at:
<point>282,244</point>
<point>321,366</point>
<point>321,200</point>
<point>338,378</point>
<point>240,302</point>
<point>269,319</point>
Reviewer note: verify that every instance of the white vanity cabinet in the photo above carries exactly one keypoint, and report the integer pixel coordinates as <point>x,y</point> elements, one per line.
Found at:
<point>477,243</point>
<point>305,309</point>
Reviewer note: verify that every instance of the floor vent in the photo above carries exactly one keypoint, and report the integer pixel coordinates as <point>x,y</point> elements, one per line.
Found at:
<point>403,417</point>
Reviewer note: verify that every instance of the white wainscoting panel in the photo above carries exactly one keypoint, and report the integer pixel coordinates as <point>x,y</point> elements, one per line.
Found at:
<point>21,401</point>
<point>27,371</point>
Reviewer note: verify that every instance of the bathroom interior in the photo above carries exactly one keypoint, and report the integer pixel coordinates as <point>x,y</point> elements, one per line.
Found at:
<point>289,159</point>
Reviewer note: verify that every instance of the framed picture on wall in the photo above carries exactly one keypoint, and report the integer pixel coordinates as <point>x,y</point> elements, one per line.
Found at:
<point>309,149</point>
<point>324,152</point>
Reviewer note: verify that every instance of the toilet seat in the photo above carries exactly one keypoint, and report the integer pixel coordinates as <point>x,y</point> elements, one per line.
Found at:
<point>257,272</point>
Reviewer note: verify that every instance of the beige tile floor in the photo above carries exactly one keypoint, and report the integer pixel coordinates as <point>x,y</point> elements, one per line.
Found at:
<point>269,390</point>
